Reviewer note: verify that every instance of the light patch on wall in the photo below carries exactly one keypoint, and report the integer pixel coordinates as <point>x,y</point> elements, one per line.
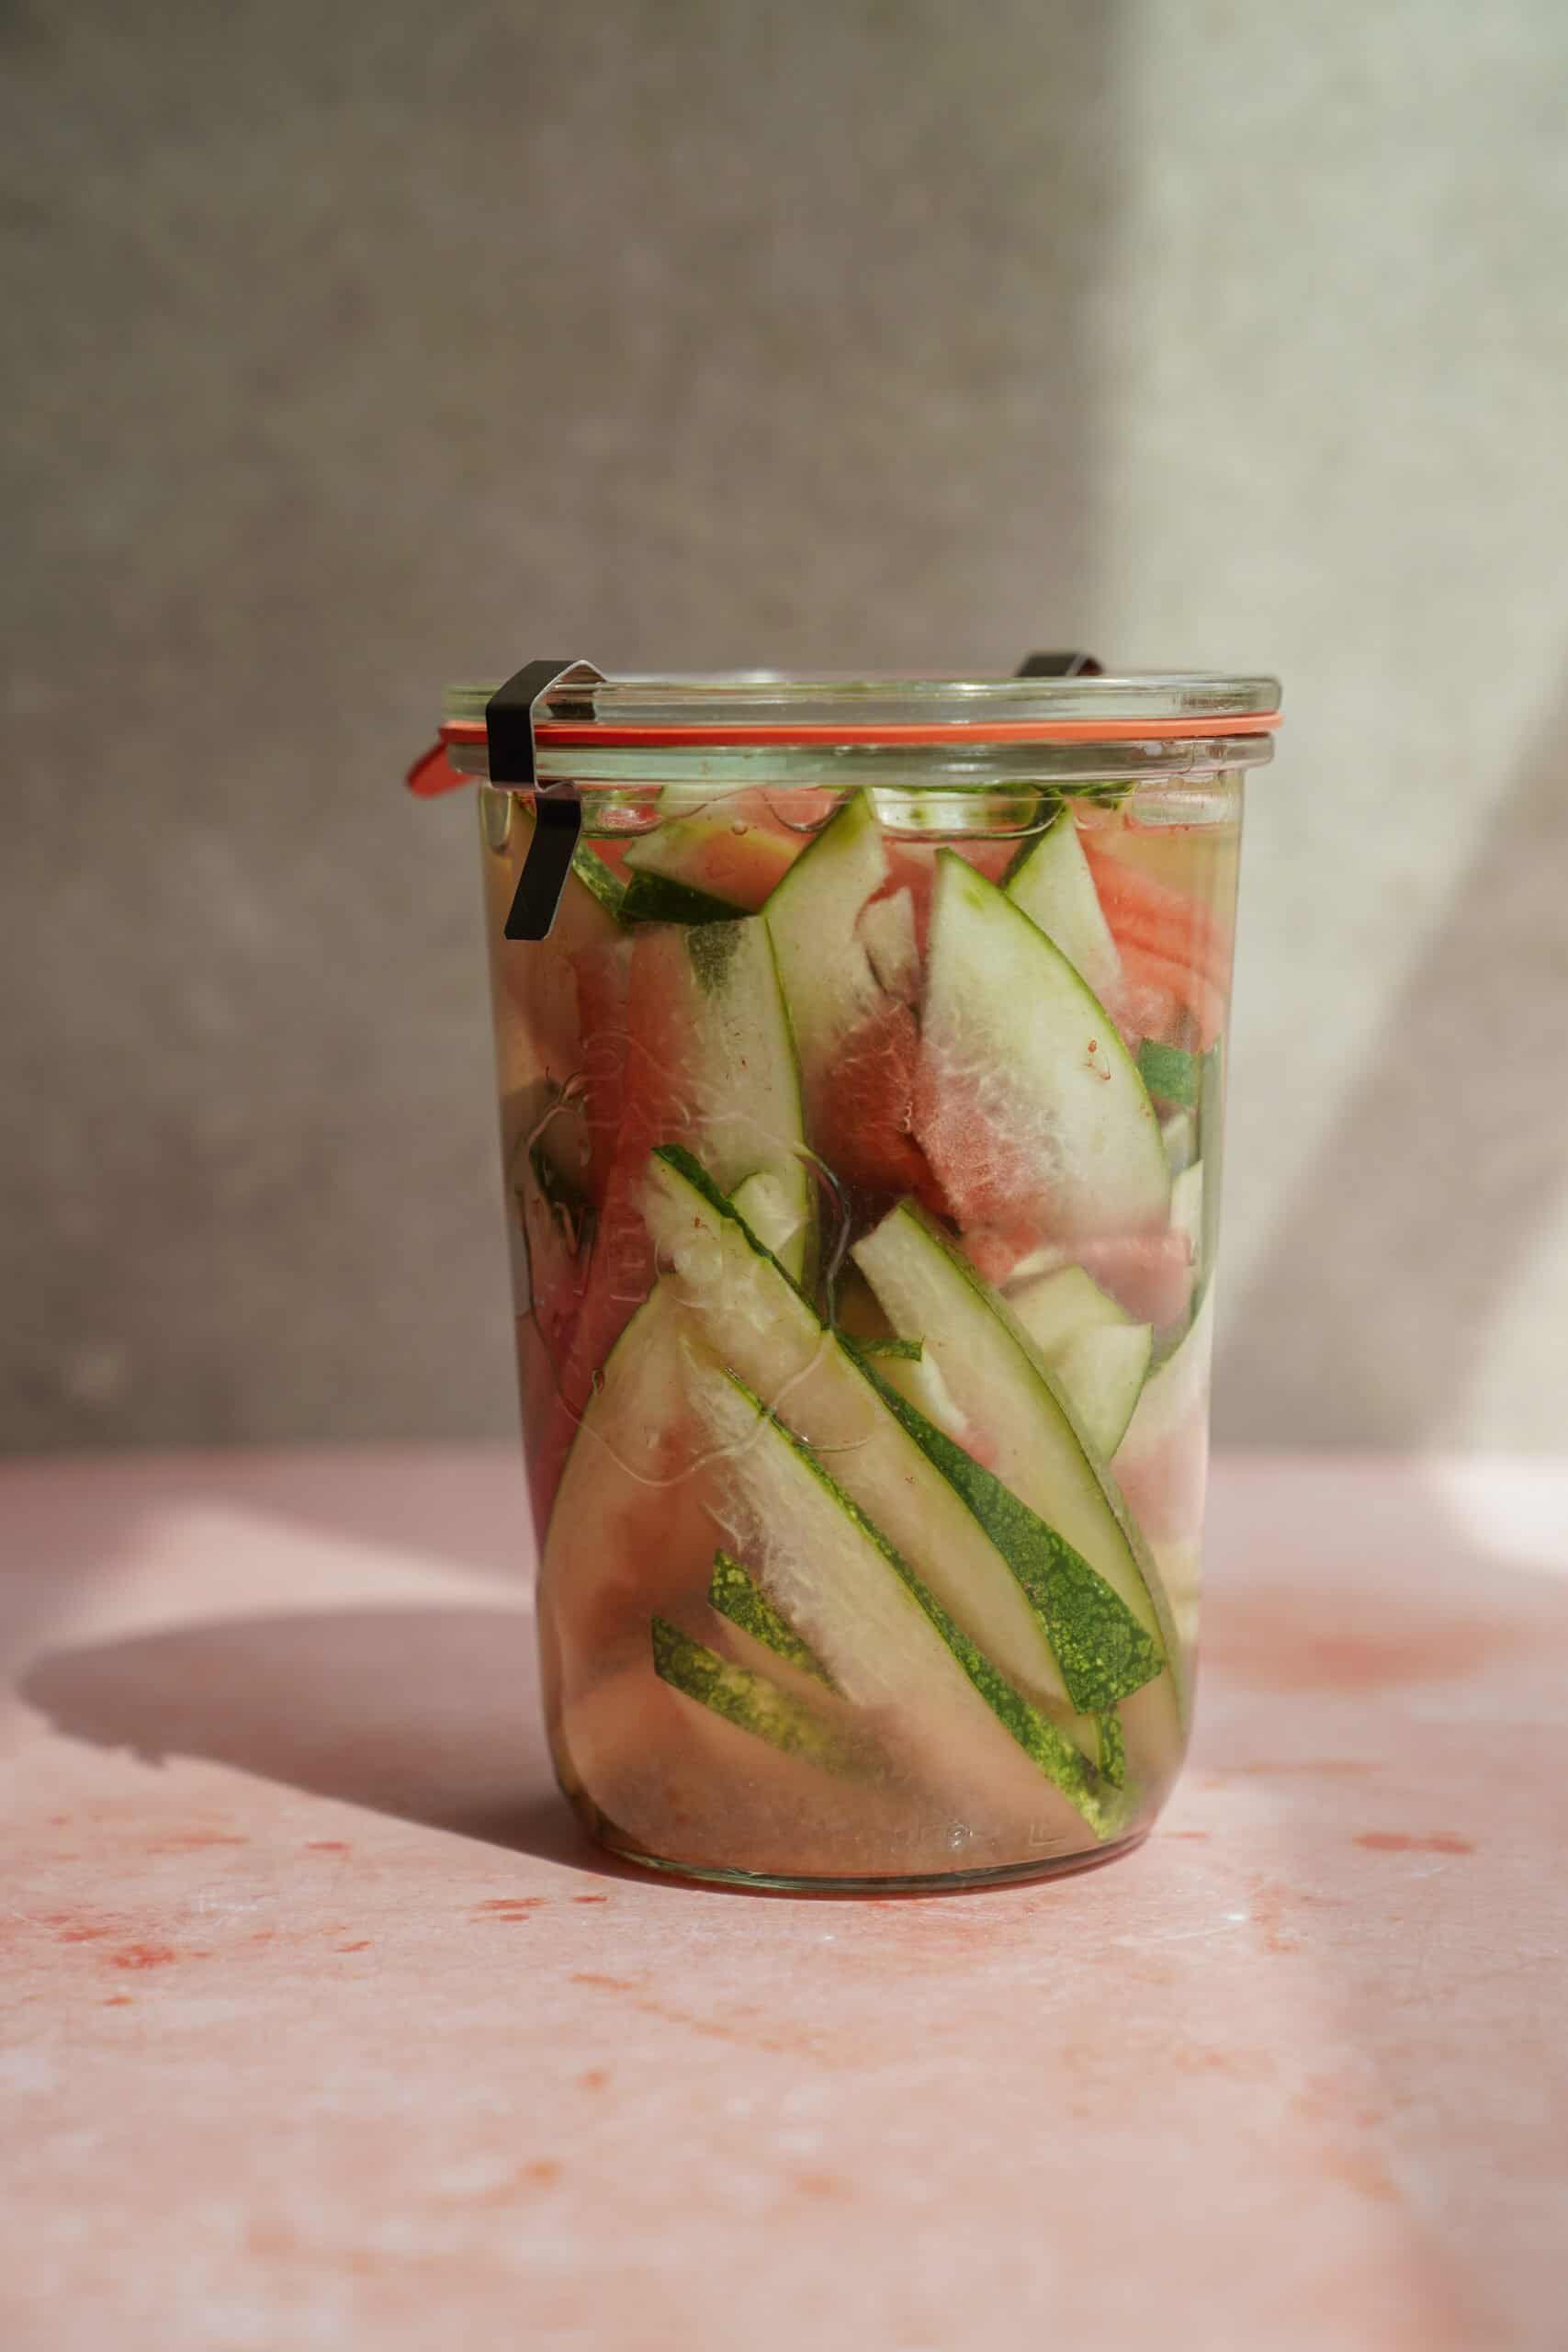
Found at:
<point>1335,357</point>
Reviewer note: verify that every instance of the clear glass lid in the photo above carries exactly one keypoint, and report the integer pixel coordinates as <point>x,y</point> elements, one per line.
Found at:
<point>617,732</point>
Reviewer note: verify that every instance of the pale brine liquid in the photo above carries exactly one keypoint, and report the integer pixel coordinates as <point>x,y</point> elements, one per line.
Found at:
<point>863,1181</point>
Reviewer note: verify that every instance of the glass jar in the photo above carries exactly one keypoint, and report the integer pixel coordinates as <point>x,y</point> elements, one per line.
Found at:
<point>862,1115</point>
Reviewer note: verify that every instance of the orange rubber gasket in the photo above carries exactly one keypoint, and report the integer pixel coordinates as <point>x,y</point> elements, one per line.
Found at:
<point>732,737</point>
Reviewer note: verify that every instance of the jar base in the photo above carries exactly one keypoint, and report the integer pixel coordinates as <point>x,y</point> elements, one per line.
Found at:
<point>923,1883</point>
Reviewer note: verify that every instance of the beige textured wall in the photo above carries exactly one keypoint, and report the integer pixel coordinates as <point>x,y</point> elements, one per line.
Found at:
<point>364,345</point>
<point>1337,440</point>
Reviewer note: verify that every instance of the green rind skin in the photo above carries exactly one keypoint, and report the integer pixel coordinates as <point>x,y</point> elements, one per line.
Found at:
<point>713,951</point>
<point>1182,1220</point>
<point>1065,1765</point>
<point>1103,1652</point>
<point>887,927</point>
<point>554,1221</point>
<point>903,1350</point>
<point>1163,1624</point>
<point>1172,1387</point>
<point>924,811</point>
<point>1036,856</point>
<point>634,1388</point>
<point>690,1169</point>
<point>1113,1751</point>
<point>735,1593</point>
<point>808,914</point>
<point>564,1199</point>
<point>675,846</point>
<point>748,1701</point>
<point>1141,1144</point>
<point>598,878</point>
<point>1080,1325</point>
<point>1051,811</point>
<point>802,1241</point>
<point>1179,1129</point>
<point>1194,1083</point>
<point>712,948</point>
<point>655,897</point>
<point>1171,1073</point>
<point>1089,1308</point>
<point>1107,1658</point>
<point>1211,1146</point>
<point>1104,1426</point>
<point>810,1234</point>
<point>855,819</point>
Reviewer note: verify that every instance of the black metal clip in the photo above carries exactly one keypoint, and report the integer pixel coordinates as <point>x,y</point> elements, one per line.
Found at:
<point>557,811</point>
<point>1059,666</point>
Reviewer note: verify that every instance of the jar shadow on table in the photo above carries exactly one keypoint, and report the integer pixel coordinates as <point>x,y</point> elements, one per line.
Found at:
<point>1365,1904</point>
<point>73,1525</point>
<point>427,1714</point>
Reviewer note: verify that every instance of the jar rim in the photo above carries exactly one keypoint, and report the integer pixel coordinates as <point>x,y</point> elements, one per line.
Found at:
<point>746,709</point>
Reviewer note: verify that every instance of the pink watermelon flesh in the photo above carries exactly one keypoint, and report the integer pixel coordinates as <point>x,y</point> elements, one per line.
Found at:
<point>650,1101</point>
<point>741,863</point>
<point>994,1182</point>
<point>911,866</point>
<point>1147,1008</point>
<point>1149,1274</point>
<point>601,976</point>
<point>654,1092</point>
<point>862,1113</point>
<point>1146,1273</point>
<point>1165,1484</point>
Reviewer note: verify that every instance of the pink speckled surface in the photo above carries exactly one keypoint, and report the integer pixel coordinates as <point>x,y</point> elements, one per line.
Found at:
<point>320,2027</point>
